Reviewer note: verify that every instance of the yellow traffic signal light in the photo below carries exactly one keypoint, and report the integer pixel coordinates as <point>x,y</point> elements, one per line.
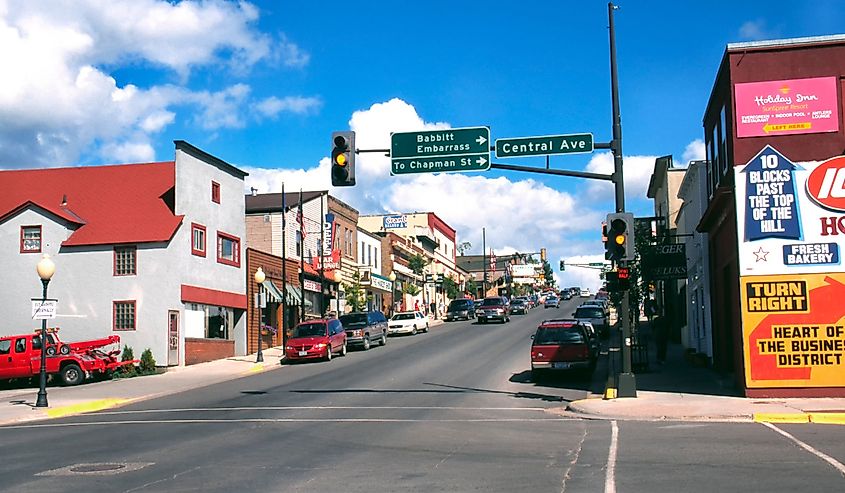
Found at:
<point>343,159</point>
<point>543,254</point>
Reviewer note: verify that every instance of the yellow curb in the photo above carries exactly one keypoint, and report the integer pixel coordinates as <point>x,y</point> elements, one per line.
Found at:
<point>828,418</point>
<point>85,407</point>
<point>781,418</point>
<point>258,367</point>
<point>610,393</point>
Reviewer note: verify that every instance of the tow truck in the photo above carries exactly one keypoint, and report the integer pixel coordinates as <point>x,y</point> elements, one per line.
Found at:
<point>20,357</point>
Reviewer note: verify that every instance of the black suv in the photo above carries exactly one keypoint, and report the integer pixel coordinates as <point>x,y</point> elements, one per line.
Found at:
<point>364,328</point>
<point>460,309</point>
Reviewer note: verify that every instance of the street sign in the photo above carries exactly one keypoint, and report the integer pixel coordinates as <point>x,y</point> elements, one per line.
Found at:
<point>597,264</point>
<point>435,151</point>
<point>544,145</point>
<point>44,309</point>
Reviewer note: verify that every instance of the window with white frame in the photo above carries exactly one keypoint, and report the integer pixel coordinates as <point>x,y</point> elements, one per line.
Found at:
<point>198,239</point>
<point>30,239</point>
<point>228,249</point>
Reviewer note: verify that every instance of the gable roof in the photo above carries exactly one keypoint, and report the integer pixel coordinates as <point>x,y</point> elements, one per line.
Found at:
<point>107,204</point>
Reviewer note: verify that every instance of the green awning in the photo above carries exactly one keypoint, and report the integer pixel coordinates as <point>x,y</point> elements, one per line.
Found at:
<point>274,295</point>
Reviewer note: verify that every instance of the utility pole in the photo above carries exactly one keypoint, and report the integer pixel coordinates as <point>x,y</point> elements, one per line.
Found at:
<point>484,262</point>
<point>626,385</point>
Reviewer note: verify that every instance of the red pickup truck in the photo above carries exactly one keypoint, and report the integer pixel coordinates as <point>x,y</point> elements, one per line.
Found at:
<point>20,357</point>
<point>563,345</point>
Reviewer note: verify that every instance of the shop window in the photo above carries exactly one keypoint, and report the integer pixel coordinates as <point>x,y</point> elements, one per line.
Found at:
<point>228,249</point>
<point>299,243</point>
<point>198,239</point>
<point>124,315</point>
<point>30,239</point>
<point>125,261</point>
<point>215,192</point>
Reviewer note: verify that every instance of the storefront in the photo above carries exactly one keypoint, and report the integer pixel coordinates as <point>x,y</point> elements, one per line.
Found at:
<point>378,293</point>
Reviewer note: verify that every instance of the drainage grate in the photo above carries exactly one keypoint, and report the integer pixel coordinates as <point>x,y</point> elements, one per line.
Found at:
<point>96,469</point>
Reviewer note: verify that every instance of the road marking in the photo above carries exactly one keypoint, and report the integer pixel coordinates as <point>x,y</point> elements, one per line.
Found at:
<point>610,474</point>
<point>285,420</point>
<point>830,460</point>
<point>323,408</point>
<point>85,407</point>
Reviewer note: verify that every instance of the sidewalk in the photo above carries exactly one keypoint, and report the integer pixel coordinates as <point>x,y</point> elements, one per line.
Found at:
<point>677,390</point>
<point>18,405</point>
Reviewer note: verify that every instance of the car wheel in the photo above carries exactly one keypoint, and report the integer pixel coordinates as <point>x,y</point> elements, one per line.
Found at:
<point>51,351</point>
<point>64,350</point>
<point>343,349</point>
<point>426,327</point>
<point>71,375</point>
<point>383,341</point>
<point>366,343</point>
<point>329,352</point>
<point>414,331</point>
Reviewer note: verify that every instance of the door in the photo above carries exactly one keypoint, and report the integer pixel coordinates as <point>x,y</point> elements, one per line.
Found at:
<point>172,338</point>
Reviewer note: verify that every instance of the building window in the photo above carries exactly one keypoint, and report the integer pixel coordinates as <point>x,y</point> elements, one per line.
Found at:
<point>125,261</point>
<point>361,258</point>
<point>299,243</point>
<point>124,315</point>
<point>215,192</point>
<point>198,239</point>
<point>30,239</point>
<point>228,249</point>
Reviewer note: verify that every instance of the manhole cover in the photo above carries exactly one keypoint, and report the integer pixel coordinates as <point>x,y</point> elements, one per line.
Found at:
<point>96,468</point>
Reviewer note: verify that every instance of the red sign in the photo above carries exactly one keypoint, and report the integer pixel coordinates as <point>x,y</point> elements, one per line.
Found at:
<point>784,107</point>
<point>826,184</point>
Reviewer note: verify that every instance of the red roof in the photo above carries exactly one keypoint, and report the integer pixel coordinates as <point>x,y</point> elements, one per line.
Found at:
<point>111,204</point>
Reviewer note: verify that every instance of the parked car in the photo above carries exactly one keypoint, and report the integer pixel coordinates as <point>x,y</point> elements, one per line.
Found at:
<point>494,308</point>
<point>595,315</point>
<point>565,294</point>
<point>461,308</point>
<point>562,345</point>
<point>535,300</point>
<point>520,306</point>
<point>585,292</point>
<point>365,328</point>
<point>316,339</point>
<point>552,301</point>
<point>407,323</point>
<point>602,303</point>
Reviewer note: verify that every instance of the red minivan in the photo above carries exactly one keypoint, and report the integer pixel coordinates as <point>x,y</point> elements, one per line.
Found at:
<point>316,339</point>
<point>562,345</point>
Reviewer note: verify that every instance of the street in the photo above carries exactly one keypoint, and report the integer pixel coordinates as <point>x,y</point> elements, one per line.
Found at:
<point>451,410</point>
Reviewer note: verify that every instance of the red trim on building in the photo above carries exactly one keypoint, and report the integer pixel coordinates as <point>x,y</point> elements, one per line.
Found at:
<point>40,238</point>
<point>195,251</point>
<point>438,224</point>
<point>215,192</point>
<point>206,296</point>
<point>236,249</point>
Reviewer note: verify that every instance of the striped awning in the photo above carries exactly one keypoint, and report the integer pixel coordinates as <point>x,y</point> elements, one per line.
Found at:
<point>274,295</point>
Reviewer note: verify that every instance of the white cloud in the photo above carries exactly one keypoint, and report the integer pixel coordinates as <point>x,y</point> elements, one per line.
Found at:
<point>694,152</point>
<point>637,171</point>
<point>272,106</point>
<point>58,98</point>
<point>575,275</point>
<point>754,30</point>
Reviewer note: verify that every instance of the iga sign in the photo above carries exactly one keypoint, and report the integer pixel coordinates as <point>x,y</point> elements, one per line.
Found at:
<point>794,330</point>
<point>790,216</point>
<point>784,107</point>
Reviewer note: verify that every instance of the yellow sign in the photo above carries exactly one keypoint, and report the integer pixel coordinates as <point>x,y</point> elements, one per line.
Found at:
<point>787,127</point>
<point>794,330</point>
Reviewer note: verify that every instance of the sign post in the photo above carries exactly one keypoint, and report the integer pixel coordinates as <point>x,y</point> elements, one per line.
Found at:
<point>435,151</point>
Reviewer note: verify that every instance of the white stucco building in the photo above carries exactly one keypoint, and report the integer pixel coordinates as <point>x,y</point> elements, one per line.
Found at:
<point>151,252</point>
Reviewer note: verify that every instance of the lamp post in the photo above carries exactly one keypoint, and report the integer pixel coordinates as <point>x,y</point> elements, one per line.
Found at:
<point>338,277</point>
<point>259,278</point>
<point>45,268</point>
<point>392,278</point>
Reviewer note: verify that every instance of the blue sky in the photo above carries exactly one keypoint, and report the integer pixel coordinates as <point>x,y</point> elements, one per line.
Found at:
<point>262,85</point>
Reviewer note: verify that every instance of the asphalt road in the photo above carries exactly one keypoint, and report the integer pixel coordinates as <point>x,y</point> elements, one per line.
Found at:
<point>453,410</point>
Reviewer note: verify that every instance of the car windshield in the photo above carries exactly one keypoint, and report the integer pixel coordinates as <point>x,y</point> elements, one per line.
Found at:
<point>589,312</point>
<point>551,298</point>
<point>309,330</point>
<point>353,319</point>
<point>518,302</point>
<point>459,304</point>
<point>403,316</point>
<point>491,302</point>
<point>558,335</point>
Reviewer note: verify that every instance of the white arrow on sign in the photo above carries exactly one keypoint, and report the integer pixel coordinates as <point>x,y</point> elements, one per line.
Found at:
<point>481,140</point>
<point>481,161</point>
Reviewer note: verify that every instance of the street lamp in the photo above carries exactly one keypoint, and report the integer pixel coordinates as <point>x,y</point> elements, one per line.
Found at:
<point>392,278</point>
<point>259,279</point>
<point>45,268</point>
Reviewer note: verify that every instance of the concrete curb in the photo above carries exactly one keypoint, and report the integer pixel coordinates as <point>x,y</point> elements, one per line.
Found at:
<point>86,407</point>
<point>801,418</point>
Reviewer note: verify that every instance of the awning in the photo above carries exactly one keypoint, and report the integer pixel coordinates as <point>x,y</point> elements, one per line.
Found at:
<point>274,295</point>
<point>294,295</point>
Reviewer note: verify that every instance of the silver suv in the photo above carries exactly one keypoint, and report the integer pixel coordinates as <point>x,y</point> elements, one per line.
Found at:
<point>595,315</point>
<point>364,328</point>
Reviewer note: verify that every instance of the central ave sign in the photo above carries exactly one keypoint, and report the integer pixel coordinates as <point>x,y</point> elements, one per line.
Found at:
<point>544,145</point>
<point>434,151</point>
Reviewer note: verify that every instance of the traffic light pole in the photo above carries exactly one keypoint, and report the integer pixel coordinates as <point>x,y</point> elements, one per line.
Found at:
<point>626,383</point>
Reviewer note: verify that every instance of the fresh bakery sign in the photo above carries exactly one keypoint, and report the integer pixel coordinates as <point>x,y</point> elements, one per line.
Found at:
<point>790,217</point>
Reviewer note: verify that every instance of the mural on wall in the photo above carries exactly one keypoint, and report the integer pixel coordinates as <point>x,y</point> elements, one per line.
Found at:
<point>790,226</point>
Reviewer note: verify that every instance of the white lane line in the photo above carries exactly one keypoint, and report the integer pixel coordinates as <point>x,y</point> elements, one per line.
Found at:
<point>830,460</point>
<point>610,474</point>
<point>286,420</point>
<point>322,408</point>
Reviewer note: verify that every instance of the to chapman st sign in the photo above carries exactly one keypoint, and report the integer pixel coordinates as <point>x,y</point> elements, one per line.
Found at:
<point>435,151</point>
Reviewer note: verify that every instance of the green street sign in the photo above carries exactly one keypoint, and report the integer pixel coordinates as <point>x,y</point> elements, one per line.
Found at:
<point>597,264</point>
<point>434,151</point>
<point>544,145</point>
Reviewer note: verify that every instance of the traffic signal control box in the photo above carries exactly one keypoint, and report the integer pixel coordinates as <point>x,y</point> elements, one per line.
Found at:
<point>343,159</point>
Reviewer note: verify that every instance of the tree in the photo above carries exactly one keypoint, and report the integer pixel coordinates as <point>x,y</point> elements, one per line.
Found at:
<point>471,286</point>
<point>355,294</point>
<point>548,273</point>
<point>417,263</point>
<point>411,289</point>
<point>450,287</point>
<point>464,246</point>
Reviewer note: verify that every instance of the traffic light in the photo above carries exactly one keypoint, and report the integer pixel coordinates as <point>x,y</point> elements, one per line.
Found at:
<point>562,265</point>
<point>618,280</point>
<point>343,159</point>
<point>620,237</point>
<point>542,254</point>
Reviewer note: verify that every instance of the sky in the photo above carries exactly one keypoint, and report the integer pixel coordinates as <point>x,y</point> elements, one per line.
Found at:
<point>263,84</point>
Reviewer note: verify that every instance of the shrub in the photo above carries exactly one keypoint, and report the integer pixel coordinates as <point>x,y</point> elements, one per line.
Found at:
<point>148,363</point>
<point>127,355</point>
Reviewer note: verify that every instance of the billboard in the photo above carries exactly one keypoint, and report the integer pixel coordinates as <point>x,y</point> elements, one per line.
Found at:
<point>790,217</point>
<point>395,221</point>
<point>523,270</point>
<point>784,107</point>
<point>664,262</point>
<point>794,330</point>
